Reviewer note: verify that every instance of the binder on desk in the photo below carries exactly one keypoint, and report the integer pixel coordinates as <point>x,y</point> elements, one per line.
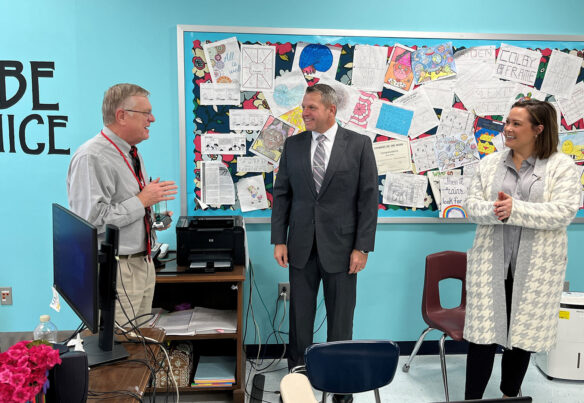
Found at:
<point>215,371</point>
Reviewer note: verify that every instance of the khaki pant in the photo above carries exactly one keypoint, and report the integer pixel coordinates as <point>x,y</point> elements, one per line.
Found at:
<point>135,285</point>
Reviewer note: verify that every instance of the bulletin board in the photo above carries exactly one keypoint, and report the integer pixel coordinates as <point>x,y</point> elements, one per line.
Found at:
<point>196,119</point>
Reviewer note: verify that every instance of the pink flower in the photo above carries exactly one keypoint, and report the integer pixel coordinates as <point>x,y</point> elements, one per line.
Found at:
<point>24,368</point>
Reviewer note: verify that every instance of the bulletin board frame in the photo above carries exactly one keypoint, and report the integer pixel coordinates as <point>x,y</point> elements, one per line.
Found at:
<point>381,37</point>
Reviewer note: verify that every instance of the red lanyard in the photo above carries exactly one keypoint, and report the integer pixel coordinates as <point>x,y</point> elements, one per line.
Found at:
<point>140,180</point>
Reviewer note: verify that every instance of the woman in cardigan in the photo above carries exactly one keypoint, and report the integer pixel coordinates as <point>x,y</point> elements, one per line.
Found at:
<point>522,199</point>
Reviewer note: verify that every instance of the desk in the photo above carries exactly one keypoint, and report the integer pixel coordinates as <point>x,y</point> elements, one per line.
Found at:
<point>124,375</point>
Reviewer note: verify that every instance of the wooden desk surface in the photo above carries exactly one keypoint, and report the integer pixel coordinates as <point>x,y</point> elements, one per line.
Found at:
<point>237,274</point>
<point>125,375</point>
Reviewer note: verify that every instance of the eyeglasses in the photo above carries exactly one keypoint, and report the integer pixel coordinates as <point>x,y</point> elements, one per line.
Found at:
<point>147,114</point>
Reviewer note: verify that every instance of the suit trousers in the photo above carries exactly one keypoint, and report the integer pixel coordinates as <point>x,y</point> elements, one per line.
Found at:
<point>135,286</point>
<point>480,359</point>
<point>340,295</point>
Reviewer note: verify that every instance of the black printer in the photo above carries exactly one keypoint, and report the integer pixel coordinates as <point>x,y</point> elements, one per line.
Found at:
<point>206,244</point>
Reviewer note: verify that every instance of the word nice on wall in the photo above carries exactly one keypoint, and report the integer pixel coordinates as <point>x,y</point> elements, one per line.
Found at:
<point>13,129</point>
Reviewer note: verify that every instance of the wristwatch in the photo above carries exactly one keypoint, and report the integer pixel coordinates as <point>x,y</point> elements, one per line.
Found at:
<point>364,251</point>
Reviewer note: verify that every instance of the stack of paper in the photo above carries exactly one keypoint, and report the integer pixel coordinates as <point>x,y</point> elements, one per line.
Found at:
<point>177,323</point>
<point>197,321</point>
<point>215,372</point>
<point>209,321</point>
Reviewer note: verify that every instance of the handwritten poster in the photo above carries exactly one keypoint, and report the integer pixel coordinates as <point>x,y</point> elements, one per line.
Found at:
<point>517,64</point>
<point>223,58</point>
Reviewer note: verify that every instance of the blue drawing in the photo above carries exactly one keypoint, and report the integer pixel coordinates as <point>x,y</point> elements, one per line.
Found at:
<point>315,57</point>
<point>394,119</point>
<point>288,97</point>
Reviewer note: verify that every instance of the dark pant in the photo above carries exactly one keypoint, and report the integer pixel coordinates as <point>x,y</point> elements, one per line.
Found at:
<point>340,294</point>
<point>480,358</point>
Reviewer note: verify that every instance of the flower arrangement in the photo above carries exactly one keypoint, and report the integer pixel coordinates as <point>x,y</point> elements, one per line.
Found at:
<point>24,368</point>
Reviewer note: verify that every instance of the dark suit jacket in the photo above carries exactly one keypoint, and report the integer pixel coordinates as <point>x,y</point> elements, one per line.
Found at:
<point>343,216</point>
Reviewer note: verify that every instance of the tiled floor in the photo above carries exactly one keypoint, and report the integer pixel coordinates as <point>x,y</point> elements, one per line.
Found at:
<point>424,384</point>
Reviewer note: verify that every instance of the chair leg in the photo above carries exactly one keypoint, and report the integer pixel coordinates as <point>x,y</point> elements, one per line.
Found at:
<point>406,366</point>
<point>443,365</point>
<point>377,397</point>
<point>324,395</point>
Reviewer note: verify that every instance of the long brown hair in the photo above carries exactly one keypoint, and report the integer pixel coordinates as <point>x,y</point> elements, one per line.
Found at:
<point>542,113</point>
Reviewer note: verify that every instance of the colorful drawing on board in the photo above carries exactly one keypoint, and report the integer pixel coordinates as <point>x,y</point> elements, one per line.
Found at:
<point>572,144</point>
<point>433,63</point>
<point>484,131</point>
<point>454,211</point>
<point>316,60</point>
<point>394,119</point>
<point>399,76</point>
<point>294,117</point>
<point>362,110</point>
<point>224,60</point>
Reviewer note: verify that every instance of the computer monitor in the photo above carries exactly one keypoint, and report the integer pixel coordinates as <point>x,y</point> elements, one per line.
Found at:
<point>86,279</point>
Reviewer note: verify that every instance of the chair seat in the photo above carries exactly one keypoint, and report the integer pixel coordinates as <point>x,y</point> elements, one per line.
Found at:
<point>450,321</point>
<point>295,388</point>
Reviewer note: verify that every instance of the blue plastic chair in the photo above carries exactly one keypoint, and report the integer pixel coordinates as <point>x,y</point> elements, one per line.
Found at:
<point>352,366</point>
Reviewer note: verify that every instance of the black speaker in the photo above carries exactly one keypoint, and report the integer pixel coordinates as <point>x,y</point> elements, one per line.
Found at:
<point>70,380</point>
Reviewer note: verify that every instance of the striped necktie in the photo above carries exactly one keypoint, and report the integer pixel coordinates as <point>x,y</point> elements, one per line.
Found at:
<point>318,165</point>
<point>147,212</point>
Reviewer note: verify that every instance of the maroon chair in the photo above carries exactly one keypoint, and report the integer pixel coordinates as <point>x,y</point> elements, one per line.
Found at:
<point>441,266</point>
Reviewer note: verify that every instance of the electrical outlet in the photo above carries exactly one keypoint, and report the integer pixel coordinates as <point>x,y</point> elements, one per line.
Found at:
<point>6,295</point>
<point>284,287</point>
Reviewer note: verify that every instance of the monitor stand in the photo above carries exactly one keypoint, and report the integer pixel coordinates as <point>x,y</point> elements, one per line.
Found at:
<point>97,356</point>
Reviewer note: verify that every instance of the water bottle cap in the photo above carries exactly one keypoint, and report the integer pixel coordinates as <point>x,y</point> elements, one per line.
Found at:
<point>45,318</point>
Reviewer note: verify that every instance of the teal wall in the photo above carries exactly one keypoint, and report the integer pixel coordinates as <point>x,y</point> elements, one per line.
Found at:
<point>95,44</point>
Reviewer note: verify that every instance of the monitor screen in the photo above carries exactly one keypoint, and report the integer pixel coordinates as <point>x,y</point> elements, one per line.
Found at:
<point>75,260</point>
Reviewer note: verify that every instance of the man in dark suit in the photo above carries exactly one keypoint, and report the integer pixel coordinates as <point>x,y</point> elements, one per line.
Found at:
<point>323,218</point>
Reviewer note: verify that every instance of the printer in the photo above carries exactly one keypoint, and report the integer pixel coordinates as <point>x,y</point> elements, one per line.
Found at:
<point>206,244</point>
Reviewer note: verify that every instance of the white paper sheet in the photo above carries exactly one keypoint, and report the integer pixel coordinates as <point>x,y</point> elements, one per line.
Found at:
<point>424,153</point>
<point>223,59</point>
<point>454,194</point>
<point>252,193</point>
<point>475,64</point>
<point>247,119</point>
<point>216,184</point>
<point>258,66</point>
<point>347,98</point>
<point>406,190</point>
<point>223,143</point>
<point>434,179</point>
<point>517,64</point>
<point>424,116</point>
<point>440,92</point>
<point>455,141</point>
<point>253,164</point>
<point>316,60</point>
<point>490,97</point>
<point>288,93</point>
<point>392,156</point>
<point>573,107</point>
<point>561,74</point>
<point>369,67</point>
<point>220,94</point>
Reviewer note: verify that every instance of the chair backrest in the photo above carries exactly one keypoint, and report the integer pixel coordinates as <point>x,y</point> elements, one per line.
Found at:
<point>351,366</point>
<point>441,266</point>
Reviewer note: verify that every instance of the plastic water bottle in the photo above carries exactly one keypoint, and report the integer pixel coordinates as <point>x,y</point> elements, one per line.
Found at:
<point>46,330</point>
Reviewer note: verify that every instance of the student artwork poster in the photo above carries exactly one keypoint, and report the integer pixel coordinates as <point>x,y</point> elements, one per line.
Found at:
<point>415,71</point>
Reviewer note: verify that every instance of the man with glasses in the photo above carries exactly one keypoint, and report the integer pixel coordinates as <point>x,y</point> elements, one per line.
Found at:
<point>107,184</point>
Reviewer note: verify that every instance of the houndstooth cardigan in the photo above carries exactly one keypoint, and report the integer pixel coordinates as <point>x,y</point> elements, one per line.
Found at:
<point>541,260</point>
